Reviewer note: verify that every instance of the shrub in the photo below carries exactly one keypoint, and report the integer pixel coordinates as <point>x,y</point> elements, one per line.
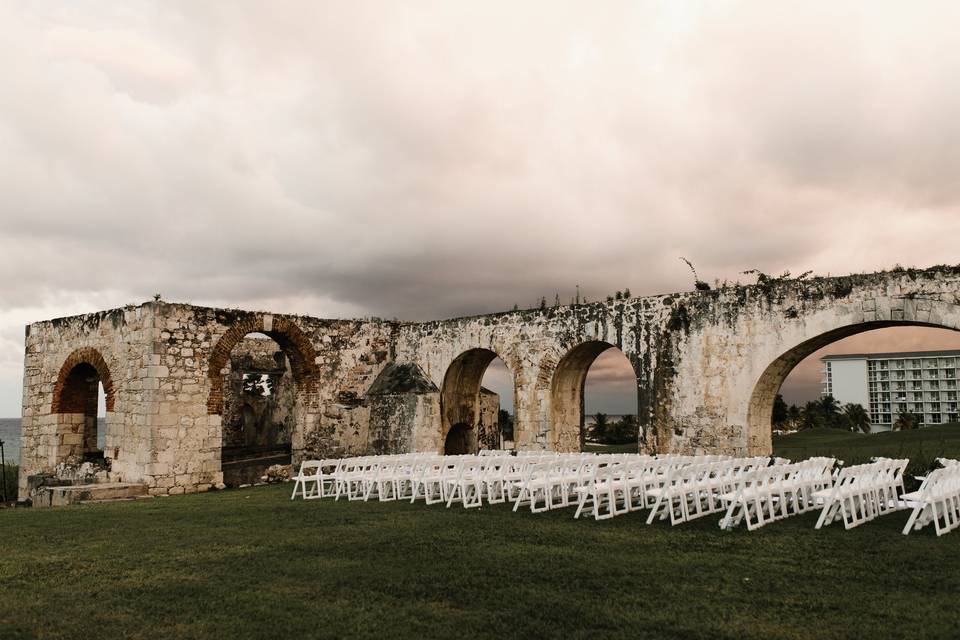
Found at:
<point>11,476</point>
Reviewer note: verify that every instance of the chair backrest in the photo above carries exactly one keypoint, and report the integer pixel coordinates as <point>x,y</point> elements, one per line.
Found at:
<point>310,467</point>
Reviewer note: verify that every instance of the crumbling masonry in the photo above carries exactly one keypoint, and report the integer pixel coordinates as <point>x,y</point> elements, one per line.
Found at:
<point>708,365</point>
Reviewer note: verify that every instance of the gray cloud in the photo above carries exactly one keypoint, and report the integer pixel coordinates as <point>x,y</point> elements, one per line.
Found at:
<point>458,158</point>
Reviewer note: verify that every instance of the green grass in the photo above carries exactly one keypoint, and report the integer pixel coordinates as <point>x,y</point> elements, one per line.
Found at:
<point>610,448</point>
<point>253,564</point>
<point>922,446</point>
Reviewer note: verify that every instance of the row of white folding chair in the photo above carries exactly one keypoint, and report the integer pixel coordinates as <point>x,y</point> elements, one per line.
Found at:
<point>606,491</point>
<point>452,479</point>
<point>633,484</point>
<point>315,479</point>
<point>401,475</point>
<point>356,478</point>
<point>392,477</point>
<point>585,477</point>
<point>505,482</point>
<point>630,484</point>
<point>937,501</point>
<point>775,492</point>
<point>863,492</point>
<point>695,490</point>
<point>553,484</point>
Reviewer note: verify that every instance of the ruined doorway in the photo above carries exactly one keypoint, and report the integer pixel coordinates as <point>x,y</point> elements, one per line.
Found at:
<point>258,409</point>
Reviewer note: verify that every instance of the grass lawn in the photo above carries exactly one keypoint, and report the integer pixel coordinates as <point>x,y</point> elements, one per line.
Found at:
<point>922,446</point>
<point>610,448</point>
<point>252,564</point>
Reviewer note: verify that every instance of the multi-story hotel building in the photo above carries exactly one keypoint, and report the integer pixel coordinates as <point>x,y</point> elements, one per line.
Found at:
<point>887,384</point>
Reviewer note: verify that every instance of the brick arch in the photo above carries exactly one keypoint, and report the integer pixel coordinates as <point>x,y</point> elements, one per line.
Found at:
<point>64,401</point>
<point>292,340</point>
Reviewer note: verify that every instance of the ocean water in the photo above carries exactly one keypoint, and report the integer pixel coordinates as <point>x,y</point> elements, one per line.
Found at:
<point>10,434</point>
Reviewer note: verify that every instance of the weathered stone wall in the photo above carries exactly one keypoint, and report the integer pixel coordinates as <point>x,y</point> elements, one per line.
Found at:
<point>708,365</point>
<point>488,424</point>
<point>332,364</point>
<point>738,345</point>
<point>117,343</point>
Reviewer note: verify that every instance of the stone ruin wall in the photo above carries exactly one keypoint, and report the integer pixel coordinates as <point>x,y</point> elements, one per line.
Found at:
<point>120,337</point>
<point>487,429</point>
<point>707,365</point>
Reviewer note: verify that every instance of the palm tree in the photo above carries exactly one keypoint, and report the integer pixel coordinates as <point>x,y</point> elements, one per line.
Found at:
<point>829,406</point>
<point>780,411</point>
<point>627,429</point>
<point>906,420</point>
<point>794,413</point>
<point>857,417</point>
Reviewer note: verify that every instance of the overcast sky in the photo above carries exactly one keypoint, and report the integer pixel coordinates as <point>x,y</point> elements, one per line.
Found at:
<point>351,158</point>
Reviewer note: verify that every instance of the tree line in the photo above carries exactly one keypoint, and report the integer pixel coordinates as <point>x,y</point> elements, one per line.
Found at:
<point>827,413</point>
<point>626,430</point>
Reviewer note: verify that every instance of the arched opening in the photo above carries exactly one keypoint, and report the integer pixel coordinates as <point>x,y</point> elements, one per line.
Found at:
<point>467,403</point>
<point>460,440</point>
<point>594,382</point>
<point>497,394</point>
<point>259,404</point>
<point>890,369</point>
<point>82,397</point>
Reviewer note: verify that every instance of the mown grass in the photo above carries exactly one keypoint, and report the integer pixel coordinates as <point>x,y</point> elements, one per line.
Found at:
<point>610,448</point>
<point>921,446</point>
<point>933,441</point>
<point>252,564</point>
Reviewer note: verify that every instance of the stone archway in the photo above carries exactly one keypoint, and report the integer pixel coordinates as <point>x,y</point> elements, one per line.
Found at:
<point>292,341</point>
<point>243,462</point>
<point>461,391</point>
<point>567,394</point>
<point>766,388</point>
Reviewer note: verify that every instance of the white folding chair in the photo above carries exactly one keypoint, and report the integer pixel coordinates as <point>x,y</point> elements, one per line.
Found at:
<point>937,501</point>
<point>308,480</point>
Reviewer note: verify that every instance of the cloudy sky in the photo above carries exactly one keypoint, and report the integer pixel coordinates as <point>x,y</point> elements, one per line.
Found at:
<point>423,160</point>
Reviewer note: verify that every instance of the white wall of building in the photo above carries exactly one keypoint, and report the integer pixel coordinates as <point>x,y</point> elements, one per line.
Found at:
<point>849,378</point>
